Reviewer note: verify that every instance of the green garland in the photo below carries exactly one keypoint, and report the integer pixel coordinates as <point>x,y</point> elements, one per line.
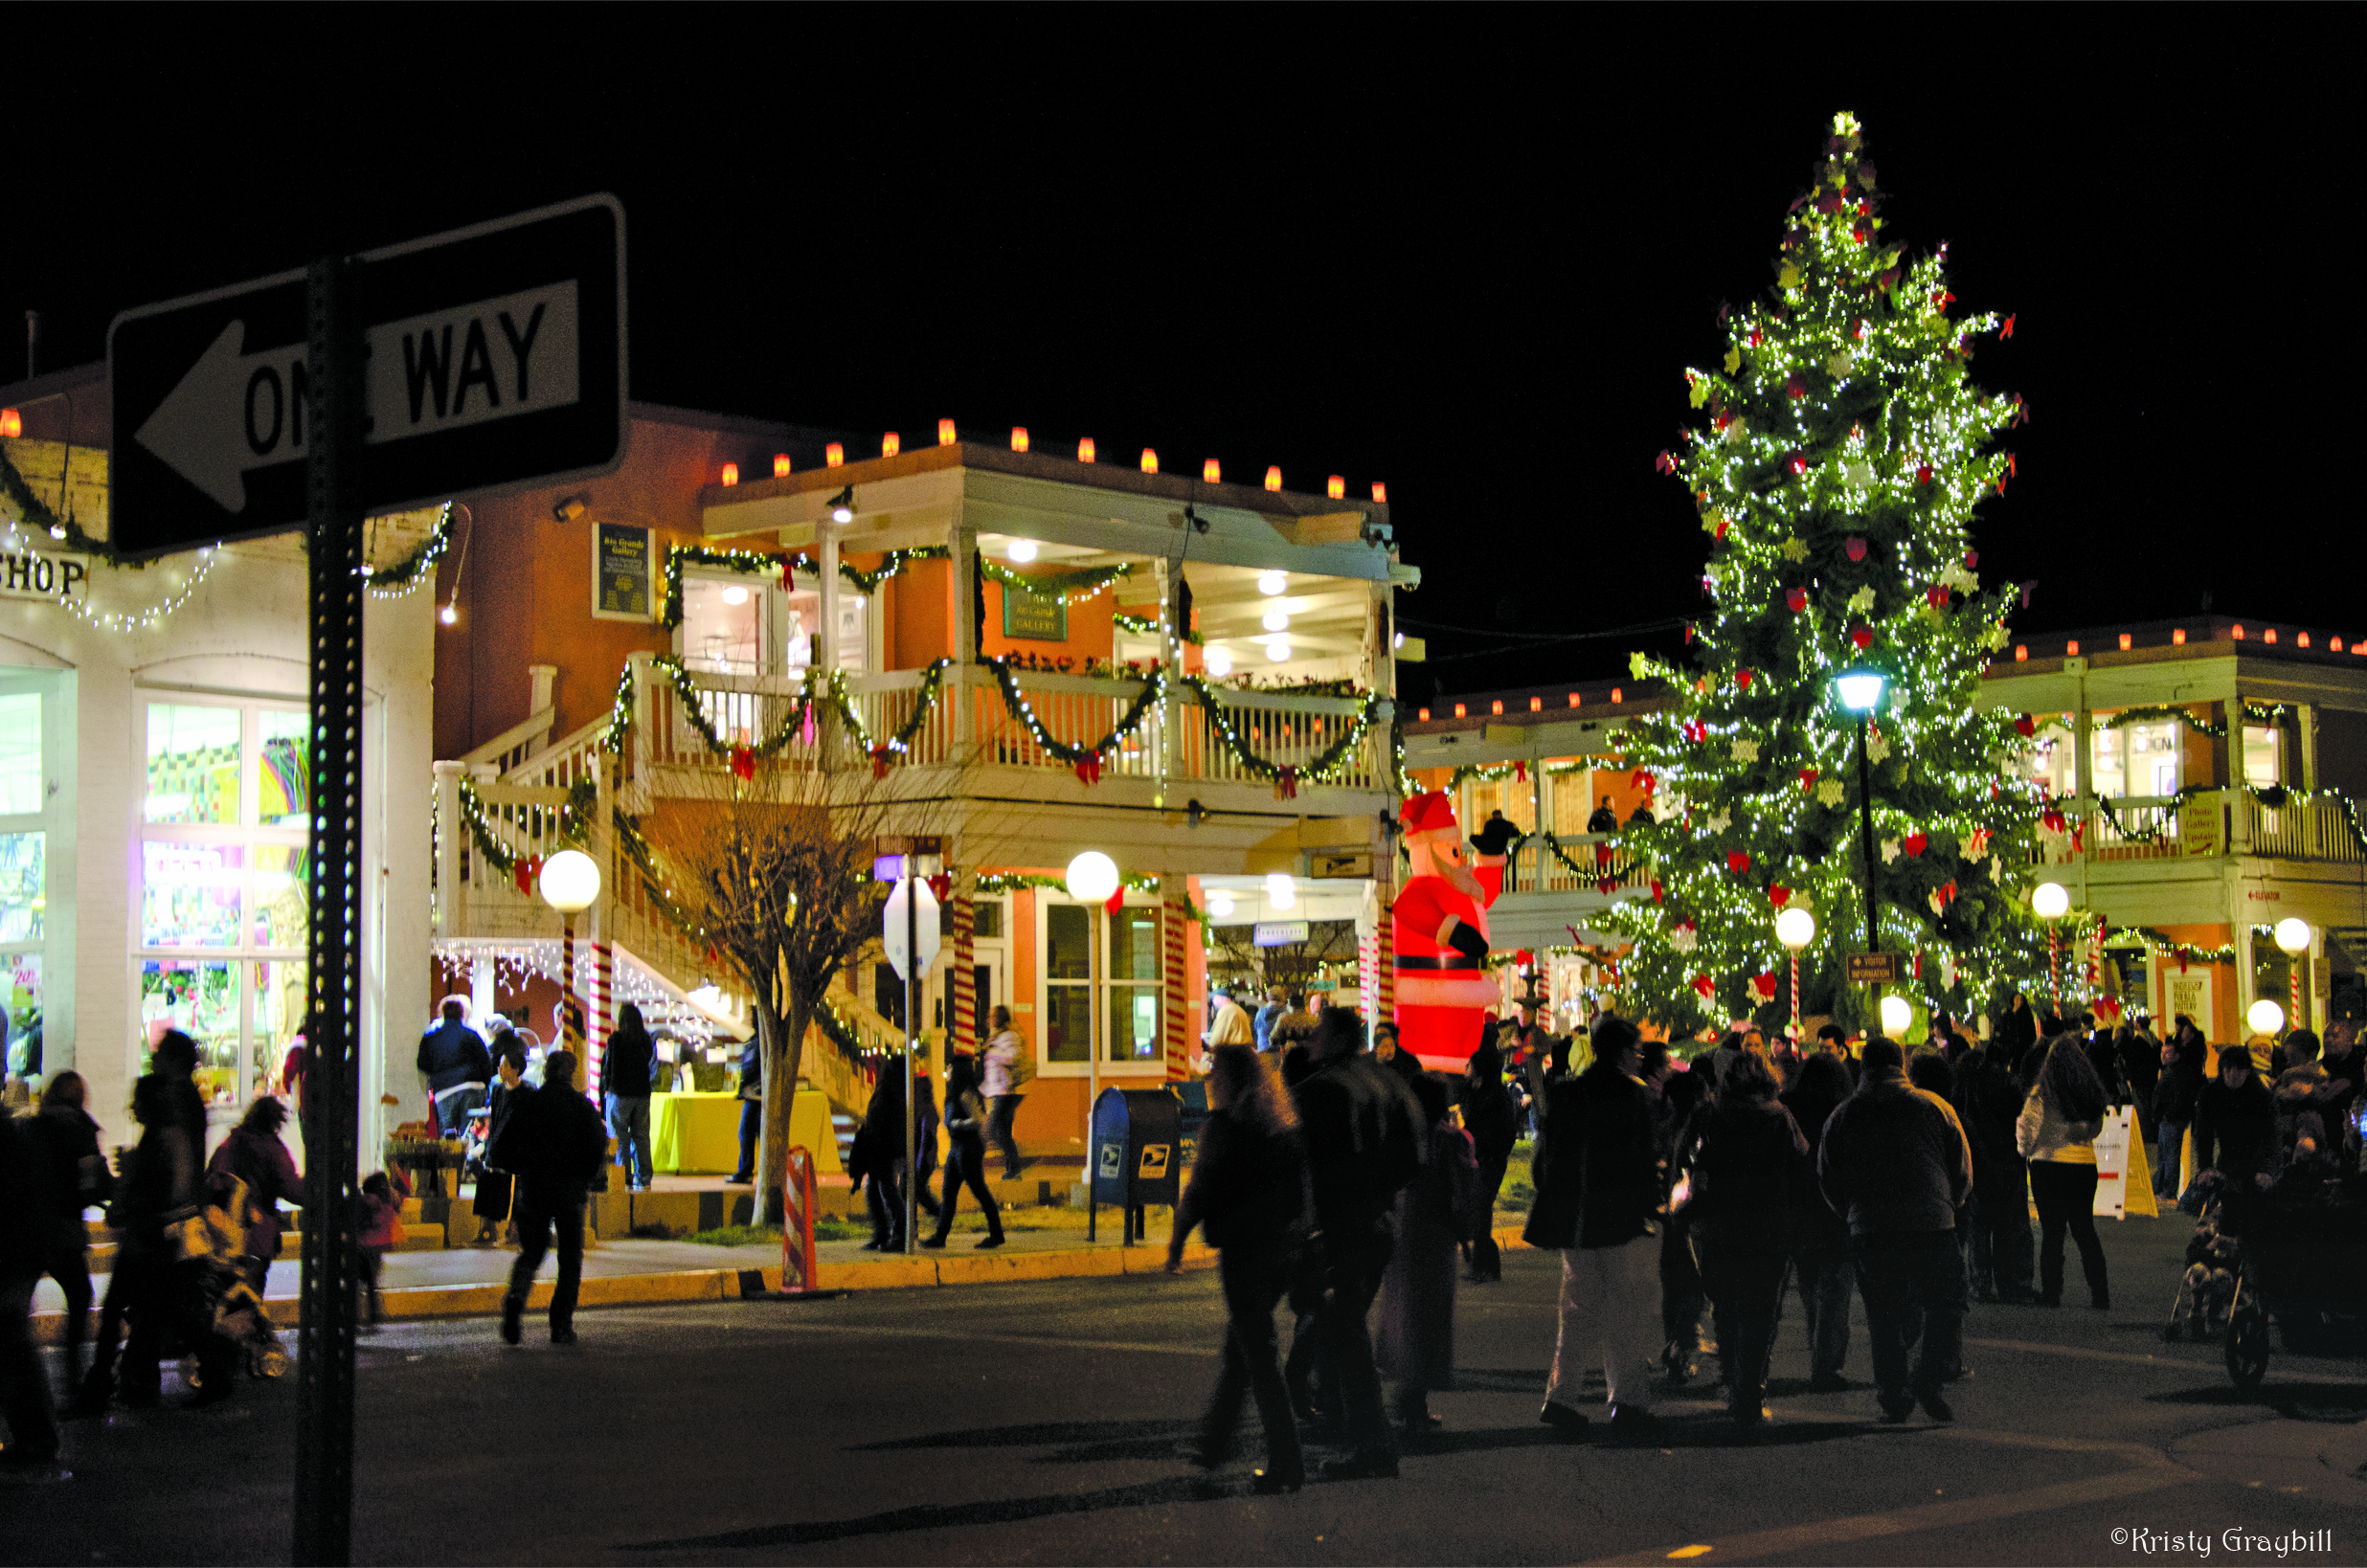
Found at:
<point>2274,796</point>
<point>1325,763</point>
<point>925,699</point>
<point>1143,626</point>
<point>388,582</point>
<point>1067,587</point>
<point>771,745</point>
<point>991,883</point>
<point>575,821</point>
<point>869,582</point>
<point>65,530</point>
<point>1154,687</point>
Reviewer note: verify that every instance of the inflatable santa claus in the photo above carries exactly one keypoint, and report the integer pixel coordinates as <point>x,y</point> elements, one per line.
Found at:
<point>1439,924</point>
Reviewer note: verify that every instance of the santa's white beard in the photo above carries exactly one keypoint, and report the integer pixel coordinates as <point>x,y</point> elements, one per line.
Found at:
<point>1427,863</point>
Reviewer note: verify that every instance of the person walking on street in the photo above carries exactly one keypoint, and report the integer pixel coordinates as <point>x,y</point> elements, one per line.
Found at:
<point>1277,1004</point>
<point>377,1230</point>
<point>751,1111</point>
<point>1895,1164</point>
<point>454,1065</point>
<point>1363,1135</point>
<point>2056,1134</point>
<point>253,1154</point>
<point>1822,1260</point>
<point>2235,1120</point>
<point>1416,1340</point>
<point>1229,1024</point>
<point>554,1145</point>
<point>628,1069</point>
<point>26,1242</point>
<point>965,1162</point>
<point>2140,1062</point>
<point>1597,1175</point>
<point>65,1141</point>
<point>2175,1093</point>
<point>1249,1193</point>
<point>1746,1174</point>
<point>1008,1068</point>
<point>1494,1123</point>
<point>496,1186</point>
<point>1989,1101</point>
<point>876,1162</point>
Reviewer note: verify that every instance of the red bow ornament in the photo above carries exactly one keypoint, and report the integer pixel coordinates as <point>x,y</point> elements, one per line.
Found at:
<point>941,885</point>
<point>1606,885</point>
<point>1737,862</point>
<point>1763,985</point>
<point>1088,767</point>
<point>744,762</point>
<point>1703,984</point>
<point>524,870</point>
<point>1807,778</point>
<point>1519,772</point>
<point>1914,844</point>
<point>1286,784</point>
<point>1656,890</point>
<point>883,756</point>
<point>1779,896</point>
<point>2025,725</point>
<point>788,573</point>
<point>1602,854</point>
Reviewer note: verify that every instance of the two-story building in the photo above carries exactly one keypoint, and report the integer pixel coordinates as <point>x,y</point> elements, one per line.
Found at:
<point>1189,676</point>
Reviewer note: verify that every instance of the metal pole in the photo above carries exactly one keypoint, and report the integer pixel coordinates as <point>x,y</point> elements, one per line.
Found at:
<point>323,1490</point>
<point>912,1022</point>
<point>1092,1079</point>
<point>1865,833</point>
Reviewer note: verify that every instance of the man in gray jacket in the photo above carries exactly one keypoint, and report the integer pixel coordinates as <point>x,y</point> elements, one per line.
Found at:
<point>1896,1165</point>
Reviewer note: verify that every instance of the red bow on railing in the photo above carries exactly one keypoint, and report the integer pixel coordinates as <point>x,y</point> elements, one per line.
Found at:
<point>1520,770</point>
<point>1286,784</point>
<point>882,757</point>
<point>1602,854</point>
<point>524,870</point>
<point>1606,885</point>
<point>1089,769</point>
<point>942,885</point>
<point>744,762</point>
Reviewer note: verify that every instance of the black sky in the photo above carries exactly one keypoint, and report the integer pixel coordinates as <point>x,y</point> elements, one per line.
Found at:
<point>1464,251</point>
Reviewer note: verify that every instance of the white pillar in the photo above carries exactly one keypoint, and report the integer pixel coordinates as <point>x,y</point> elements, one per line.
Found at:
<point>481,999</point>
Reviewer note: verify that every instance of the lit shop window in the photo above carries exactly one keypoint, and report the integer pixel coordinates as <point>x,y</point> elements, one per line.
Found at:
<point>2262,754</point>
<point>20,753</point>
<point>2138,759</point>
<point>26,824</point>
<point>1134,986</point>
<point>21,993</point>
<point>1129,984</point>
<point>223,872</point>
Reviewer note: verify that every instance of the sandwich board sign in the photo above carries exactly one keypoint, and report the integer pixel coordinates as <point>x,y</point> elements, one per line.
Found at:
<point>493,359</point>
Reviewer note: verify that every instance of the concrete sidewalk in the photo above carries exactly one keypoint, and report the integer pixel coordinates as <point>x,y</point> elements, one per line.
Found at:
<point>470,1281</point>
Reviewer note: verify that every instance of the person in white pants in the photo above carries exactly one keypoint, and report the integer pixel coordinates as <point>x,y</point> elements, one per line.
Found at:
<point>1597,1175</point>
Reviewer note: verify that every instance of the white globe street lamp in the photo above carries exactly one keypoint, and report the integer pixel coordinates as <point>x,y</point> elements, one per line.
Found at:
<point>2265,1018</point>
<point>2292,935</point>
<point>1092,877</point>
<point>1092,880</point>
<point>1897,1015</point>
<point>2050,903</point>
<point>569,884</point>
<point>1796,929</point>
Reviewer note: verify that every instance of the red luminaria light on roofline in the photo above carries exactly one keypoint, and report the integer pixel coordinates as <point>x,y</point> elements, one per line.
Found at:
<point>2125,641</point>
<point>834,454</point>
<point>1085,448</point>
<point>1019,438</point>
<point>1211,472</point>
<point>1335,487</point>
<point>1150,460</point>
<point>781,465</point>
<point>946,432</point>
<point>731,473</point>
<point>12,423</point>
<point>1379,492</point>
<point>2269,635</point>
<point>2178,635</point>
<point>1274,478</point>
<point>890,445</point>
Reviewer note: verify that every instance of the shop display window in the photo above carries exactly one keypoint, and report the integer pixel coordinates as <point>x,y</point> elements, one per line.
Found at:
<point>21,787</point>
<point>224,869</point>
<point>22,892</point>
<point>1134,986</point>
<point>1131,983</point>
<point>1067,982</point>
<point>2137,759</point>
<point>21,993</point>
<point>2263,755</point>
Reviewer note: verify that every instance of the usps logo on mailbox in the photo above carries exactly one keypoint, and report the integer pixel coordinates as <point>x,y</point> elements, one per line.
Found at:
<point>1154,1161</point>
<point>1113,1159</point>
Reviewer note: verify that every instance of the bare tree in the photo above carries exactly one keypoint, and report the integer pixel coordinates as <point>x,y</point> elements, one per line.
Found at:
<point>776,868</point>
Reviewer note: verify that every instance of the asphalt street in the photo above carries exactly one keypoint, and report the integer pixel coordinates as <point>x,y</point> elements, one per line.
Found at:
<point>1038,1422</point>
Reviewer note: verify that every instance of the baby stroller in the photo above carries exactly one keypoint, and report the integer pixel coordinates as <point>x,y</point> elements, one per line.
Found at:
<point>229,1302</point>
<point>2207,1289</point>
<point>2301,1258</point>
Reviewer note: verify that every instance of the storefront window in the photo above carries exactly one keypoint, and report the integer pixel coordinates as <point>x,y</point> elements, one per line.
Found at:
<point>1067,982</point>
<point>223,867</point>
<point>21,788</point>
<point>2137,759</point>
<point>723,624</point>
<point>2053,764</point>
<point>2261,756</point>
<point>193,763</point>
<point>200,998</point>
<point>1134,986</point>
<point>22,896</point>
<point>20,993</point>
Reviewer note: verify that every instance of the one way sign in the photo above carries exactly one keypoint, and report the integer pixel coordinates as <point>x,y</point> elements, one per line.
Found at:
<point>494,358</point>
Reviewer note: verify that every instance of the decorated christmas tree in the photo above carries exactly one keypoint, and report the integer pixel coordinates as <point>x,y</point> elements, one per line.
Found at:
<point>1842,450</point>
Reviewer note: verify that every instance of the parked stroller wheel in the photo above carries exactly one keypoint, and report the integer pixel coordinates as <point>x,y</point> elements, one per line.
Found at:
<point>2247,1345</point>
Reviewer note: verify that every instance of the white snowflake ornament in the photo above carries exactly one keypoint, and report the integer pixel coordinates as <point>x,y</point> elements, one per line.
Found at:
<point>1746,751</point>
<point>1830,791</point>
<point>1863,600</point>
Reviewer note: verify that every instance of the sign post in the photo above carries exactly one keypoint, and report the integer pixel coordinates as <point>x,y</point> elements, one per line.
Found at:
<point>486,359</point>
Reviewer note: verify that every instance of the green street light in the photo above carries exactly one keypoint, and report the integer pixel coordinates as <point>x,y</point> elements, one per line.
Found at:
<point>1860,692</point>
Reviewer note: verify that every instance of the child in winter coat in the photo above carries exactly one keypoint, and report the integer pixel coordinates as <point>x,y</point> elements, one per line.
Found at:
<point>379,1228</point>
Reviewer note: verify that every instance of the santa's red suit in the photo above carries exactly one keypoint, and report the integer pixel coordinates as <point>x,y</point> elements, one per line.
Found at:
<point>1443,989</point>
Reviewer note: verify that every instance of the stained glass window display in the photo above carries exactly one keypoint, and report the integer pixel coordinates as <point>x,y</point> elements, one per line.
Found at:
<point>282,783</point>
<point>190,894</point>
<point>200,998</point>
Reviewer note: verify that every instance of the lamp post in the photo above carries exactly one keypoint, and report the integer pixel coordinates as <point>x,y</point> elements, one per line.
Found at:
<point>906,860</point>
<point>1092,880</point>
<point>1860,691</point>
<point>2050,903</point>
<point>569,884</point>
<point>1796,929</point>
<point>2265,1018</point>
<point>2293,940</point>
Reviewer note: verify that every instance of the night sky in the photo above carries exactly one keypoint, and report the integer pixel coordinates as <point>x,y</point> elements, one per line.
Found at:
<point>1466,252</point>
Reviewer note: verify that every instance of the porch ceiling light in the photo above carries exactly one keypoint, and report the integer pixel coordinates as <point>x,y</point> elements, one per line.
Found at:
<point>843,505</point>
<point>1220,663</point>
<point>1280,891</point>
<point>1276,619</point>
<point>1272,583</point>
<point>1278,649</point>
<point>1021,551</point>
<point>734,593</point>
<point>1220,902</point>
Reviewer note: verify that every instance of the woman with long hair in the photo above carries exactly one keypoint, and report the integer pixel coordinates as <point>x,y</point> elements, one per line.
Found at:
<point>1251,1192</point>
<point>965,1163</point>
<point>2057,1133</point>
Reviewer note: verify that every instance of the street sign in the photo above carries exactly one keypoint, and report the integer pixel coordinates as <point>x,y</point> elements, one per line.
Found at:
<point>493,359</point>
<point>1873,969</point>
<point>897,924</point>
<point>1277,933</point>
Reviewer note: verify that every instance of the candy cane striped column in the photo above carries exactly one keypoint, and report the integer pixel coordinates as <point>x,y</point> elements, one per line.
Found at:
<point>1368,976</point>
<point>600,982</point>
<point>963,989</point>
<point>1173,1009</point>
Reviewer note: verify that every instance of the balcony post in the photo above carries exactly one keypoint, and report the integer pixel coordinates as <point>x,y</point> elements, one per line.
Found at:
<point>644,714</point>
<point>966,596</point>
<point>825,643</point>
<point>1169,706</point>
<point>451,918</point>
<point>542,675</point>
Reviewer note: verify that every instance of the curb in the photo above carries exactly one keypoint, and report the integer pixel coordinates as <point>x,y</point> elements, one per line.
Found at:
<point>896,1274</point>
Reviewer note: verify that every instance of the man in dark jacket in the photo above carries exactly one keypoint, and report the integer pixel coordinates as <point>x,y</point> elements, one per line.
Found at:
<point>553,1144</point>
<point>2175,1093</point>
<point>1598,1202</point>
<point>2235,1120</point>
<point>457,1067</point>
<point>2140,1063</point>
<point>1895,1164</point>
<point>25,1402</point>
<point>1989,1102</point>
<point>1494,1124</point>
<point>752,1111</point>
<point>1363,1134</point>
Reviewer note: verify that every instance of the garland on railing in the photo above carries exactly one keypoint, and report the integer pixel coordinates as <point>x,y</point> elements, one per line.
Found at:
<point>1286,776</point>
<point>2185,952</point>
<point>991,883</point>
<point>791,726</point>
<point>1143,626</point>
<point>1067,587</point>
<point>1085,759</point>
<point>645,858</point>
<point>400,579</point>
<point>574,823</point>
<point>2273,796</point>
<point>884,753</point>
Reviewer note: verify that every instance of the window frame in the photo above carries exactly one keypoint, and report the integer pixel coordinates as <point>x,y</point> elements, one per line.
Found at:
<point>1101,988</point>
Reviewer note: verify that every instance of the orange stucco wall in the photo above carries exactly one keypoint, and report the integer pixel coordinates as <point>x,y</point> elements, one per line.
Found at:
<point>1092,632</point>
